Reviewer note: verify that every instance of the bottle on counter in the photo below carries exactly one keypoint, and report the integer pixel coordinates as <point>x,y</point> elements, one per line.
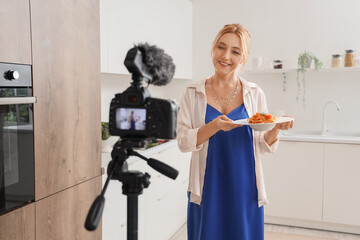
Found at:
<point>278,64</point>
<point>336,61</point>
<point>349,58</point>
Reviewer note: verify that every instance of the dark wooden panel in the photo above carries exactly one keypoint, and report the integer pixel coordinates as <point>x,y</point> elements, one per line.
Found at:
<point>15,40</point>
<point>62,215</point>
<point>18,224</point>
<point>66,76</point>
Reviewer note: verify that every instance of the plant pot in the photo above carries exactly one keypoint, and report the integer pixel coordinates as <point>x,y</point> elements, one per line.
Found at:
<point>107,145</point>
<point>308,62</point>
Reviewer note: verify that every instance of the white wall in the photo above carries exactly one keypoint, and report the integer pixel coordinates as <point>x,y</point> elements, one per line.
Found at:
<point>279,29</point>
<point>283,29</point>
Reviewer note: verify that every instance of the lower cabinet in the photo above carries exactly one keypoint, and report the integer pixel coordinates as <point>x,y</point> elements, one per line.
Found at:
<point>341,184</point>
<point>18,224</point>
<point>294,181</point>
<point>162,208</point>
<point>314,185</point>
<point>115,212</point>
<point>62,215</point>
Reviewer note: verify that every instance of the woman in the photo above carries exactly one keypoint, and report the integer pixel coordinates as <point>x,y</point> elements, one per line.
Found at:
<point>226,187</point>
<point>132,121</point>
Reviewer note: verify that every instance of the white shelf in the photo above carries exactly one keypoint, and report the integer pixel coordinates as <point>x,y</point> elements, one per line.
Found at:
<point>294,70</point>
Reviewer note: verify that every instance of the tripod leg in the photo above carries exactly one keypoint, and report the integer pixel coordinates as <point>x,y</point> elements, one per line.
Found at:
<point>132,217</point>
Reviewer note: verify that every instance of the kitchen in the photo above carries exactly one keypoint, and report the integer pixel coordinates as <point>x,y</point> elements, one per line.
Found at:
<point>185,29</point>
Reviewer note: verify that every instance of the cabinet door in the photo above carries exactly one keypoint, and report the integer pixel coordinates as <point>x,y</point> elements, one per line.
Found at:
<point>62,215</point>
<point>341,184</point>
<point>161,184</point>
<point>294,181</point>
<point>167,199</point>
<point>15,41</point>
<point>167,214</point>
<point>66,80</point>
<point>167,24</point>
<point>104,26</point>
<point>18,224</point>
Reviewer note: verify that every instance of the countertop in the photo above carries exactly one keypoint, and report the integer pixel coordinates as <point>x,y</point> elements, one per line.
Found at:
<point>294,136</point>
<point>317,136</point>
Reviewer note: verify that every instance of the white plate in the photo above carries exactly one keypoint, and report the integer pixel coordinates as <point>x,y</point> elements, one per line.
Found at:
<point>263,126</point>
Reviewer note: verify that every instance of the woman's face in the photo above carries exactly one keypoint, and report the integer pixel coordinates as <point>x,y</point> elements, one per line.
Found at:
<point>227,54</point>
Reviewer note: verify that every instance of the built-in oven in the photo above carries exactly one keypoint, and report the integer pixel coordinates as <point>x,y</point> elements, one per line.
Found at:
<point>17,178</point>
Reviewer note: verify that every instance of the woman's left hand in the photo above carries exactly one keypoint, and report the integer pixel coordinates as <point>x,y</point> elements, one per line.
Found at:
<point>285,125</point>
<point>272,135</point>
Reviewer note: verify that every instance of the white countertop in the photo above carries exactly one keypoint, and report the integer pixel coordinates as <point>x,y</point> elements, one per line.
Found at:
<point>295,136</point>
<point>316,136</point>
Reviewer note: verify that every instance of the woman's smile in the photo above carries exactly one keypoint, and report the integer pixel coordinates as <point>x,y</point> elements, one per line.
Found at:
<point>224,64</point>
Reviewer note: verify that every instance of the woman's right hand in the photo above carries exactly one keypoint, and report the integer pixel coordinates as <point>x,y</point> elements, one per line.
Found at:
<point>224,123</point>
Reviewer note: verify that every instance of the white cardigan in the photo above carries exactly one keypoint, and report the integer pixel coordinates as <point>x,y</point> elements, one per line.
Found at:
<point>191,117</point>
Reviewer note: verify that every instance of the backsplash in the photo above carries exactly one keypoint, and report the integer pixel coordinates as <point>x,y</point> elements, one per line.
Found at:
<point>321,87</point>
<point>342,87</point>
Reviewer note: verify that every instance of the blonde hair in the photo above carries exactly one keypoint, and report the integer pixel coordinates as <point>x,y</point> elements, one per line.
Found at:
<point>245,41</point>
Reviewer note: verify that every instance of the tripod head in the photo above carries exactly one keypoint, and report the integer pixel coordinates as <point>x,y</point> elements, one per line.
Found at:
<point>133,181</point>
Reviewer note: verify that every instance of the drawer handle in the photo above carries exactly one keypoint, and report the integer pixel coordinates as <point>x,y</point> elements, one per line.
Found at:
<point>17,100</point>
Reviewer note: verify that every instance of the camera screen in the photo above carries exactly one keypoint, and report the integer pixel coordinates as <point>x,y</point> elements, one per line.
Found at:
<point>131,119</point>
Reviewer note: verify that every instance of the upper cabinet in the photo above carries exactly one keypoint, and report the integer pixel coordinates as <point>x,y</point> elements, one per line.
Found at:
<point>165,23</point>
<point>15,43</point>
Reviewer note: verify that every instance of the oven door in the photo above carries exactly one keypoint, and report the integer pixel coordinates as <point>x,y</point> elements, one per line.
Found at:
<point>16,148</point>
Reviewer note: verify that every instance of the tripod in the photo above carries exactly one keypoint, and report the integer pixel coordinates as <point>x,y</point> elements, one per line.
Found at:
<point>133,184</point>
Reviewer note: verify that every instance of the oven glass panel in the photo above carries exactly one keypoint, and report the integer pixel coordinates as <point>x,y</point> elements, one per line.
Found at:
<point>16,150</point>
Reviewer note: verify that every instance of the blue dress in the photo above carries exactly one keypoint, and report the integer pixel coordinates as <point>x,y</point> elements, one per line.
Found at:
<point>229,207</point>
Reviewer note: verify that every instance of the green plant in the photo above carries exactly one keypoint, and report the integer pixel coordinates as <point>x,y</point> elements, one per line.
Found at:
<point>105,134</point>
<point>302,68</point>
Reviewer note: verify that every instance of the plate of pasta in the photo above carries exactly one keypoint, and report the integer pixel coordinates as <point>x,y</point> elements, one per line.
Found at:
<point>262,121</point>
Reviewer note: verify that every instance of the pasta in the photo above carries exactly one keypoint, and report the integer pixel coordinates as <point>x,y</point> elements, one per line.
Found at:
<point>262,118</point>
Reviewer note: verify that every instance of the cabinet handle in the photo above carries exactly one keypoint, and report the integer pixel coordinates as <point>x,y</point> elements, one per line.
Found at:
<point>17,100</point>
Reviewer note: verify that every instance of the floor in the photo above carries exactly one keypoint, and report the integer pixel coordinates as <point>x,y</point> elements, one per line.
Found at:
<point>277,232</point>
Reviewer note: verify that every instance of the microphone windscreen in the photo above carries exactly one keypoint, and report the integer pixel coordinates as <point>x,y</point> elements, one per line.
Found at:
<point>160,64</point>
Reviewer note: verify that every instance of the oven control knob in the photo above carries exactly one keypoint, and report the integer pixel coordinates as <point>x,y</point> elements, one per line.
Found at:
<point>11,75</point>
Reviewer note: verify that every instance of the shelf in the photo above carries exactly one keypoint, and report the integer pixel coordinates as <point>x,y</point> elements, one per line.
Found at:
<point>294,70</point>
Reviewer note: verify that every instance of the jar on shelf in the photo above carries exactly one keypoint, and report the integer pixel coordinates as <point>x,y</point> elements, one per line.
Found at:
<point>278,64</point>
<point>349,58</point>
<point>357,60</point>
<point>336,61</point>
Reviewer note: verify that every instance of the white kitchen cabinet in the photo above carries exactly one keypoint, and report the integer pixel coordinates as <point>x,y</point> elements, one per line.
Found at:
<point>162,206</point>
<point>115,212</point>
<point>167,214</point>
<point>167,199</point>
<point>341,184</point>
<point>165,23</point>
<point>294,178</point>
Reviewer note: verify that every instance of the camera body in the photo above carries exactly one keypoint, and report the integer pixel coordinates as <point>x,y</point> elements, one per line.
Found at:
<point>134,115</point>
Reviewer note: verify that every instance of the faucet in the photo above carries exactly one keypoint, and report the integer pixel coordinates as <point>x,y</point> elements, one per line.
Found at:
<point>325,127</point>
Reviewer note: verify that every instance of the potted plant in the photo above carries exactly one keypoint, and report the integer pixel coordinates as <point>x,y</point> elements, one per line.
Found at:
<point>304,62</point>
<point>107,140</point>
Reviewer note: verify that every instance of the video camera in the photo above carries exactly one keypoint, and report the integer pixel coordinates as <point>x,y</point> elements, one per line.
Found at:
<point>134,115</point>
<point>136,118</point>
